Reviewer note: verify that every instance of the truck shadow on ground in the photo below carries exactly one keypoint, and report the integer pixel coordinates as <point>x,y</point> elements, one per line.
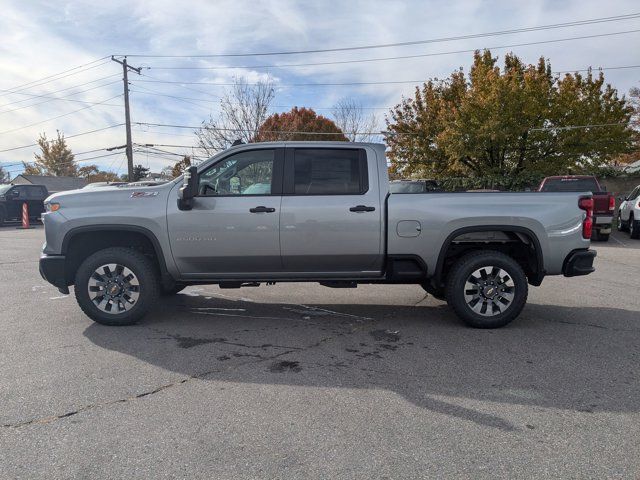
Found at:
<point>577,359</point>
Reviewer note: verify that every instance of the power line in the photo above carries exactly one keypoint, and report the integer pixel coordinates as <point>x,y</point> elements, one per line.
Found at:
<point>61,90</point>
<point>59,116</point>
<point>567,127</point>
<point>64,98</point>
<point>342,84</point>
<point>72,161</point>
<point>202,100</point>
<point>66,137</point>
<point>423,55</point>
<point>574,127</point>
<point>74,154</point>
<point>154,92</point>
<point>37,83</point>
<point>629,16</point>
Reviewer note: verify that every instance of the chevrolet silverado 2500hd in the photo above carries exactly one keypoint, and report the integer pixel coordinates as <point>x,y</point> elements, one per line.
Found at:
<point>309,212</point>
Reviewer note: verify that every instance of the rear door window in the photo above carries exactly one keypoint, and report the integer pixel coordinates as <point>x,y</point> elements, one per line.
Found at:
<point>328,171</point>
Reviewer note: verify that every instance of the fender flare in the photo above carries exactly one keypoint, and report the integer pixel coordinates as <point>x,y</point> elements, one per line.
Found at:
<point>437,277</point>
<point>115,227</point>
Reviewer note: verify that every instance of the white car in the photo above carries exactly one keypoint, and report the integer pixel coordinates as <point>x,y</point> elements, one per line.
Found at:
<point>629,213</point>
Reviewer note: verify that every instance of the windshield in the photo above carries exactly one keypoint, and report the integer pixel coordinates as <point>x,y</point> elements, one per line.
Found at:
<point>570,185</point>
<point>4,188</point>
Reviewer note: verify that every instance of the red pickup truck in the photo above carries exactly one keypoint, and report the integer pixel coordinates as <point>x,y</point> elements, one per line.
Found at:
<point>604,203</point>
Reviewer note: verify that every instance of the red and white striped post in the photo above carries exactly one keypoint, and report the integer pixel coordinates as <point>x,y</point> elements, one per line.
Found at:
<point>25,215</point>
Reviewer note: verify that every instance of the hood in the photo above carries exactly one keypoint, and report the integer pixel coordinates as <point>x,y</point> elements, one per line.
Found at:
<point>110,193</point>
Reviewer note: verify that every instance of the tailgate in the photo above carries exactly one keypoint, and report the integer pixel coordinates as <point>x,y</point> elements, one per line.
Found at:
<point>601,203</point>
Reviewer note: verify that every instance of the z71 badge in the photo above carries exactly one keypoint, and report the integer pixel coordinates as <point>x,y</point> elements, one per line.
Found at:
<point>143,194</point>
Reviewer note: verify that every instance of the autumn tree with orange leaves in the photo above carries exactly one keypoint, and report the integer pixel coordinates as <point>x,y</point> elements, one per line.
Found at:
<point>299,124</point>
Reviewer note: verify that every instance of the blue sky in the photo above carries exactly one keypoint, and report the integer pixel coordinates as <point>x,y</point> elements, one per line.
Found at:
<point>40,39</point>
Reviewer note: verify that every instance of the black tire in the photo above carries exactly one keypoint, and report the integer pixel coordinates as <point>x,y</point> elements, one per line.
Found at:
<point>2,216</point>
<point>145,274</point>
<point>622,227</point>
<point>434,292</point>
<point>634,228</point>
<point>464,269</point>
<point>174,290</point>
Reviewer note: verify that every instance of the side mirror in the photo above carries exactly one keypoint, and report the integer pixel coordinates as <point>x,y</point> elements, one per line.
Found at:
<point>189,189</point>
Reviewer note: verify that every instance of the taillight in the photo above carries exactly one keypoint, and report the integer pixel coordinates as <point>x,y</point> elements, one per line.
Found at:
<point>612,203</point>
<point>586,204</point>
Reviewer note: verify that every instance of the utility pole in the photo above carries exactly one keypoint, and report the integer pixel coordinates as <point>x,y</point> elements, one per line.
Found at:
<point>127,115</point>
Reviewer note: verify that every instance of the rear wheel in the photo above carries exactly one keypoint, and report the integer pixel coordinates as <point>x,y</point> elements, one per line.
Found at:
<point>634,227</point>
<point>487,289</point>
<point>622,227</point>
<point>116,286</point>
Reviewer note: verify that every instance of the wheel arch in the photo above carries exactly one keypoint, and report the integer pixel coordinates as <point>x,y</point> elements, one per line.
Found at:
<point>97,237</point>
<point>535,270</point>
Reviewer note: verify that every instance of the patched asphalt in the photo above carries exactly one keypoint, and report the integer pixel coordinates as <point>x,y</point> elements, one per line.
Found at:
<point>303,381</point>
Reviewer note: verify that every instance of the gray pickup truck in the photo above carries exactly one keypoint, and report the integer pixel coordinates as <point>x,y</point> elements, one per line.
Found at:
<point>309,212</point>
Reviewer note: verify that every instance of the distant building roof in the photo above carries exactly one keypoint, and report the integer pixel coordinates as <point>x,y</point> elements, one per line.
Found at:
<point>53,184</point>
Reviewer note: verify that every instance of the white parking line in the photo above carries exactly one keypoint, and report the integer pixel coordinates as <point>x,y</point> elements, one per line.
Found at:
<point>619,241</point>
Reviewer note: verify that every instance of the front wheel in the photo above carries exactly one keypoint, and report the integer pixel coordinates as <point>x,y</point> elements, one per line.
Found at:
<point>116,286</point>
<point>487,289</point>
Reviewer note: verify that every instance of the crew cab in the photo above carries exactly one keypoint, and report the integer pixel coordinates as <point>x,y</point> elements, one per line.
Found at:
<point>309,212</point>
<point>604,203</point>
<point>13,197</point>
<point>629,213</point>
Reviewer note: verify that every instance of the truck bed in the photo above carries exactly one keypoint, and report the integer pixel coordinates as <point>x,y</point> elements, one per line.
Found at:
<point>419,223</point>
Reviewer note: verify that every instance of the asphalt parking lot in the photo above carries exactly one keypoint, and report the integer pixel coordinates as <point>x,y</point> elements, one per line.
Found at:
<point>303,381</point>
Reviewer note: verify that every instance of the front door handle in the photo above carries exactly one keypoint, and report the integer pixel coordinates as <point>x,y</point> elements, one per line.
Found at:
<point>262,209</point>
<point>362,208</point>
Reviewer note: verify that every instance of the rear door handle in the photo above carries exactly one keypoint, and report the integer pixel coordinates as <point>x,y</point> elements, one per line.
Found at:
<point>262,209</point>
<point>362,208</point>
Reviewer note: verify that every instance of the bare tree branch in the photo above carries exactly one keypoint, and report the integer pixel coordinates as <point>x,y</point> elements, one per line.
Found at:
<point>242,110</point>
<point>352,119</point>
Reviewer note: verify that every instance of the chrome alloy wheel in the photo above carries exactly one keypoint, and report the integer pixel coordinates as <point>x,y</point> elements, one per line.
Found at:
<point>489,291</point>
<point>113,288</point>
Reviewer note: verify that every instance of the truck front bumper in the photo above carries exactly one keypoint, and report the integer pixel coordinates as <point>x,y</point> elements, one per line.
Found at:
<point>579,262</point>
<point>52,270</point>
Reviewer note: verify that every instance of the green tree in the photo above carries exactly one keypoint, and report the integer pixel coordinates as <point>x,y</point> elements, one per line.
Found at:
<point>55,158</point>
<point>139,173</point>
<point>93,174</point>
<point>299,124</point>
<point>519,120</point>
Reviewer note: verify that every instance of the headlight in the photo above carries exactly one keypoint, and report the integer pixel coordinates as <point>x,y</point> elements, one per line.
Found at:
<point>52,207</point>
